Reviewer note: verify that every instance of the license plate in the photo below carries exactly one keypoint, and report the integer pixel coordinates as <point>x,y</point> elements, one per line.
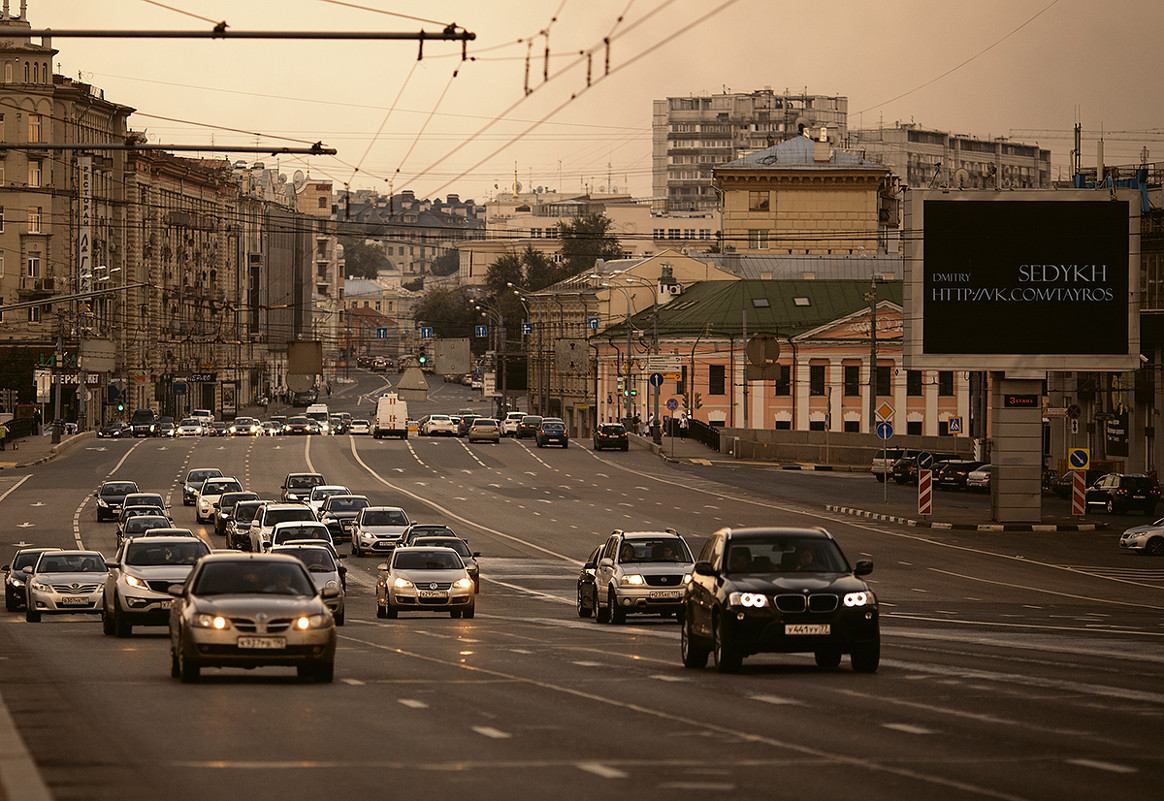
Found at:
<point>664,595</point>
<point>433,594</point>
<point>807,628</point>
<point>73,600</point>
<point>164,604</point>
<point>262,643</point>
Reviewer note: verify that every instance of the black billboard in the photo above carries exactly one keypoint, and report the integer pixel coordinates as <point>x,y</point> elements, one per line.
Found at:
<point>1025,277</point>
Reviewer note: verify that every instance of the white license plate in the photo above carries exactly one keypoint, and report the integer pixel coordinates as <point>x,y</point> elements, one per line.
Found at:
<point>74,600</point>
<point>807,628</point>
<point>433,594</point>
<point>164,604</point>
<point>262,643</point>
<point>664,595</point>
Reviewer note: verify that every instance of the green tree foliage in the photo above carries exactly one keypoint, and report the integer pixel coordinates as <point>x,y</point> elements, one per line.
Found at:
<point>361,259</point>
<point>415,285</point>
<point>447,263</point>
<point>501,273</point>
<point>447,311</point>
<point>585,240</point>
<point>540,272</point>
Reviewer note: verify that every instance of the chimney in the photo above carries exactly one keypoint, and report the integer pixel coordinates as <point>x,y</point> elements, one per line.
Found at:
<point>822,152</point>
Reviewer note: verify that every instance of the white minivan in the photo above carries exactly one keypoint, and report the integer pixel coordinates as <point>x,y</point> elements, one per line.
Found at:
<point>320,414</point>
<point>391,418</point>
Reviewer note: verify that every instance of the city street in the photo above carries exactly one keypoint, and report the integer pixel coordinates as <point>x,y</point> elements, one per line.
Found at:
<point>1014,665</point>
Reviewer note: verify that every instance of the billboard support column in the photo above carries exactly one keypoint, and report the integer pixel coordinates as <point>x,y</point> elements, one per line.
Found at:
<point>1017,434</point>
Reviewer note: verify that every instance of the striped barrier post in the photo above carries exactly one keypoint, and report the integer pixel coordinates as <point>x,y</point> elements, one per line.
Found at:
<point>925,491</point>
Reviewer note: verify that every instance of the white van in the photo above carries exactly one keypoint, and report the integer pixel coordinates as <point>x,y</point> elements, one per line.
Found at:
<point>319,413</point>
<point>391,417</point>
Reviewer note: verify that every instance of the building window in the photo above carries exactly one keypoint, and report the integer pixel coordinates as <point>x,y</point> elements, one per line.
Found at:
<point>816,425</point>
<point>1,264</point>
<point>852,426</point>
<point>1,219</point>
<point>323,202</point>
<point>782,425</point>
<point>33,126</point>
<point>757,239</point>
<point>913,427</point>
<point>884,380</point>
<point>716,379</point>
<point>34,174</point>
<point>34,219</point>
<point>816,379</point>
<point>34,314</point>
<point>757,201</point>
<point>852,380</point>
<point>377,305</point>
<point>945,383</point>
<point>913,383</point>
<point>33,262</point>
<point>783,383</point>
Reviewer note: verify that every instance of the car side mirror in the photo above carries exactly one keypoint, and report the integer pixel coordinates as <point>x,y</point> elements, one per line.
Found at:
<point>863,567</point>
<point>27,570</point>
<point>177,590</point>
<point>704,569</point>
<point>606,561</point>
<point>476,554</point>
<point>329,592</point>
<point>382,566</point>
<point>111,563</point>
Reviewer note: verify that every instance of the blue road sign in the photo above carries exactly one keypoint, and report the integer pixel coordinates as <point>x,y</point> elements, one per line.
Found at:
<point>426,333</point>
<point>656,379</point>
<point>592,323</point>
<point>1078,458</point>
<point>672,404</point>
<point>884,430</point>
<point>925,460</point>
<point>381,333</point>
<point>527,328</point>
<point>482,331</point>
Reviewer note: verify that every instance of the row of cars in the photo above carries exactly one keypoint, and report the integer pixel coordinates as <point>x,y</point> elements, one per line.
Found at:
<point>749,591</point>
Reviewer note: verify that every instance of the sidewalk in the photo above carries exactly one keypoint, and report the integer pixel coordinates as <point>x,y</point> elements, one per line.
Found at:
<point>27,451</point>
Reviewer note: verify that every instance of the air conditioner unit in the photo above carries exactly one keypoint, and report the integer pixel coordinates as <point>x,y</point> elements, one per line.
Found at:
<point>675,289</point>
<point>42,284</point>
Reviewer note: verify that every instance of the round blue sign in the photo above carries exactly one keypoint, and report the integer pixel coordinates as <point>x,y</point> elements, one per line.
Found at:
<point>884,430</point>
<point>672,404</point>
<point>656,379</point>
<point>925,460</point>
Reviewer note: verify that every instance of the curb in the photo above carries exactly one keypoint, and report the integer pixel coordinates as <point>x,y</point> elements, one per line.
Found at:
<point>986,527</point>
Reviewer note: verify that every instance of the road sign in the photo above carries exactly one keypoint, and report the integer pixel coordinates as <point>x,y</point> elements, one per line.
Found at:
<point>954,425</point>
<point>1074,411</point>
<point>884,430</point>
<point>672,404</point>
<point>1052,412</point>
<point>527,328</point>
<point>672,376</point>
<point>381,333</point>
<point>426,333</point>
<point>656,379</point>
<point>592,323</point>
<point>925,460</point>
<point>1079,493</point>
<point>885,411</point>
<point>1078,459</point>
<point>925,486</point>
<point>481,331</point>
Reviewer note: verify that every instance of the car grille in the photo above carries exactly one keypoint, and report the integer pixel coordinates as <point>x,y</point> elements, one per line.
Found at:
<point>434,585</point>
<point>663,581</point>
<point>161,585</point>
<point>248,626</point>
<point>819,602</point>
<point>73,589</point>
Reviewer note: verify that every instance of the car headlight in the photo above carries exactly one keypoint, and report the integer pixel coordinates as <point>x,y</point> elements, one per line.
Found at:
<point>203,502</point>
<point>754,599</point>
<point>16,581</point>
<point>859,598</point>
<point>306,622</point>
<point>463,583</point>
<point>134,581</point>
<point>39,587</point>
<point>331,585</point>
<point>632,580</point>
<point>401,583</point>
<point>202,620</point>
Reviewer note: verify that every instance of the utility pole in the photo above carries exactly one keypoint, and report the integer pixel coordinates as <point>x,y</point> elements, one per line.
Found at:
<point>872,297</point>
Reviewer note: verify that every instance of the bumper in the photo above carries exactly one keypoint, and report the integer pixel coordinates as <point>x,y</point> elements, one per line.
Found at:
<point>648,601</point>
<point>145,609</point>
<point>453,599</point>
<point>60,603</point>
<point>764,631</point>
<point>376,545</point>
<point>221,650</point>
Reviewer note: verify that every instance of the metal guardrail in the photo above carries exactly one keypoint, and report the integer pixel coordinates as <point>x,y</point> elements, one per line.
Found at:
<point>697,430</point>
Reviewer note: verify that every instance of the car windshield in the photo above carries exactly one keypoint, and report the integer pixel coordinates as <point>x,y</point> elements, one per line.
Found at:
<point>274,516</point>
<point>427,560</point>
<point>76,562</point>
<point>200,475</point>
<point>656,549</point>
<point>785,554</point>
<point>611,429</point>
<point>119,488</point>
<point>244,512</point>
<point>142,499</point>
<point>303,482</point>
<point>25,559</point>
<point>142,523</point>
<point>316,560</point>
<point>344,503</point>
<point>455,543</point>
<point>165,553</point>
<point>390,517</point>
<point>327,492</point>
<point>268,578</point>
<point>219,487</point>
<point>316,532</point>
<point>425,531</point>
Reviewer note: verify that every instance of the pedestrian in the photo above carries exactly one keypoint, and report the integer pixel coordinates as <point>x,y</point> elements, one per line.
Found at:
<point>3,436</point>
<point>683,428</point>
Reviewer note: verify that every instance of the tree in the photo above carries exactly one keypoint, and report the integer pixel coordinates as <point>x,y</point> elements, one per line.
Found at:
<point>447,311</point>
<point>361,259</point>
<point>501,273</point>
<point>585,240</point>
<point>447,263</point>
<point>540,272</point>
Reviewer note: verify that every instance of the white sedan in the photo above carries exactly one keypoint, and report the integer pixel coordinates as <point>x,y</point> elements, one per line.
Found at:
<point>438,424</point>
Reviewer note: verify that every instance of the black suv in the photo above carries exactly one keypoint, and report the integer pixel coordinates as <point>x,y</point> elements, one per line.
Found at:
<point>905,469</point>
<point>144,423</point>
<point>110,496</point>
<point>528,427</point>
<point>1119,492</point>
<point>610,435</point>
<point>782,590</point>
<point>953,473</point>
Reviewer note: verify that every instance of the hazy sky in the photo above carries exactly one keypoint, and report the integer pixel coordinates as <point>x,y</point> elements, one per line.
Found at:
<point>1025,69</point>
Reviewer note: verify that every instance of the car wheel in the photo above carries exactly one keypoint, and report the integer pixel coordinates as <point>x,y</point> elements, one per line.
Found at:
<point>1150,510</point>
<point>625,448</point>
<point>381,612</point>
<point>356,552</point>
<point>601,613</point>
<point>829,656</point>
<point>583,609</point>
<point>10,602</point>
<point>31,615</point>
<point>469,611</point>
<point>866,656</point>
<point>727,658</point>
<point>454,613</point>
<point>175,668</point>
<point>880,478</point>
<point>1155,547</point>
<point>617,613</point>
<point>694,654</point>
<point>390,611</point>
<point>565,445</point>
<point>1111,507</point>
<point>189,671</point>
<point>339,617</point>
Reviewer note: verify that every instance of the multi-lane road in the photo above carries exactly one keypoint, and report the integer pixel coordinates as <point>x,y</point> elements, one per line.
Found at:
<point>1014,666</point>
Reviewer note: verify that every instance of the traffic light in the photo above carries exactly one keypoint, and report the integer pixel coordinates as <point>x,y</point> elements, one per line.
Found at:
<point>422,357</point>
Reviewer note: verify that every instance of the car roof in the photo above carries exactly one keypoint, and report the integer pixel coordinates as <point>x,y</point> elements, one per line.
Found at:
<point>162,539</point>
<point>762,532</point>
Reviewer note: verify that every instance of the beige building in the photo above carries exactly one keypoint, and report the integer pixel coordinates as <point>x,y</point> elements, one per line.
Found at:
<point>805,196</point>
<point>691,136</point>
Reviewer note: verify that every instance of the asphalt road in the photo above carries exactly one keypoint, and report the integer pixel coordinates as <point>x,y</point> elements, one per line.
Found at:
<point>1014,665</point>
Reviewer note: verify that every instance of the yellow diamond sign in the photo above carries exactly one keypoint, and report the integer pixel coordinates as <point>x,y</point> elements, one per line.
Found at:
<point>885,411</point>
